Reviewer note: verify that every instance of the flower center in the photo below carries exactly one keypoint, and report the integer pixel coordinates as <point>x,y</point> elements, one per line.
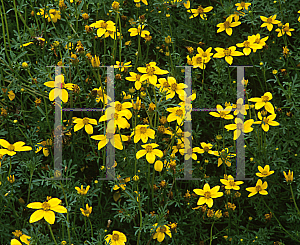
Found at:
<point>205,54</point>
<point>239,107</point>
<point>174,86</point>
<point>179,112</point>
<point>190,151</point>
<point>103,25</point>
<point>11,147</point>
<point>166,84</point>
<point>109,135</point>
<point>200,10</point>
<point>257,40</point>
<point>138,76</point>
<point>162,229</point>
<point>119,107</point>
<point>149,148</point>
<point>206,148</point>
<point>286,28</point>
<point>85,121</point>
<point>207,194</point>
<point>46,206</point>
<point>269,20</point>
<point>227,52</point>
<point>266,120</point>
<point>143,130</point>
<point>231,182</point>
<point>226,24</point>
<point>115,237</point>
<point>258,188</point>
<point>222,114</point>
<point>150,70</point>
<point>239,126</point>
<point>264,172</point>
<point>116,116</point>
<point>265,98</point>
<point>243,4</point>
<point>199,60</point>
<point>246,44</point>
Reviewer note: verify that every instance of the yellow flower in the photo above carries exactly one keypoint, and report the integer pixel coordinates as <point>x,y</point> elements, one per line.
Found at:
<point>200,11</point>
<point>238,127</point>
<point>11,179</point>
<point>138,31</point>
<point>224,157</point>
<point>117,238</point>
<point>150,152</point>
<point>59,91</point>
<point>135,78</point>
<point>18,234</point>
<point>227,53</point>
<point>242,6</point>
<point>205,55</point>
<point>261,42</point>
<point>230,183</point>
<point>46,210</point>
<point>101,95</point>
<point>222,113</point>
<point>95,61</point>
<point>26,44</point>
<point>142,132</point>
<point>198,61</point>
<point>269,22</point>
<point>259,188</point>
<point>285,29</point>
<point>11,95</point>
<point>240,107</point>
<point>264,172</point>
<point>82,191</point>
<point>86,123</point>
<point>111,137</point>
<point>289,177</point>
<point>115,5</point>
<point>12,148</point>
<point>266,121</point>
<point>136,178</point>
<point>161,231</point>
<point>263,102</point>
<point>248,45</point>
<point>44,145</point>
<point>208,195</point>
<point>104,27</point>
<point>121,65</point>
<point>158,166</point>
<point>86,212</point>
<point>151,71</point>
<point>175,87</point>
<point>207,148</point>
<point>25,65</point>
<point>177,113</point>
<point>226,26</point>
<point>143,1</point>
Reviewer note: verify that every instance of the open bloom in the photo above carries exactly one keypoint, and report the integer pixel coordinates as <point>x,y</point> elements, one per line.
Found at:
<point>207,148</point>
<point>259,188</point>
<point>122,65</point>
<point>53,15</point>
<point>111,137</point>
<point>86,123</point>
<point>139,31</point>
<point>161,231</point>
<point>135,78</point>
<point>151,71</point>
<point>117,238</point>
<point>239,127</point>
<point>284,29</point>
<point>242,6</point>
<point>230,183</point>
<point>59,88</point>
<point>226,26</point>
<point>259,41</point>
<point>46,210</point>
<point>224,156</point>
<point>150,152</point>
<point>11,149</point>
<point>86,212</point>
<point>264,172</point>
<point>222,113</point>
<point>264,102</point>
<point>208,195</point>
<point>103,27</point>
<point>189,152</point>
<point>44,145</point>
<point>177,113</point>
<point>82,191</point>
<point>200,11</point>
<point>269,22</point>
<point>18,234</point>
<point>205,54</point>
<point>198,61</point>
<point>175,87</point>
<point>248,45</point>
<point>142,132</point>
<point>266,122</point>
<point>227,53</point>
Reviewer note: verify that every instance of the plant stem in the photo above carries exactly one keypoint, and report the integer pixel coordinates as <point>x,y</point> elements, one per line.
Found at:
<point>52,233</point>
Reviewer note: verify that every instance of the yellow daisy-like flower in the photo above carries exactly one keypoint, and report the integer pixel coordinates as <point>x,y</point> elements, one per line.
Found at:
<point>205,55</point>
<point>150,152</point>
<point>46,210</point>
<point>135,78</point>
<point>177,113</point>
<point>231,184</point>
<point>142,132</point>
<point>198,61</point>
<point>101,95</point>
<point>139,31</point>
<point>199,11</point>
<point>266,121</point>
<point>264,102</point>
<point>44,145</point>
<point>208,195</point>
<point>175,87</point>
<point>207,148</point>
<point>59,91</point>
<point>121,65</point>
<point>151,71</point>
<point>18,234</point>
<point>161,231</point>
<point>240,107</point>
<point>86,123</point>
<point>11,149</point>
<point>259,188</point>
<point>259,41</point>
<point>86,212</point>
<point>117,238</point>
<point>242,6</point>
<point>248,45</point>
<point>227,26</point>
<point>222,113</point>
<point>189,152</point>
<point>269,22</point>
<point>238,127</point>
<point>284,29</point>
<point>289,177</point>
<point>82,191</point>
<point>227,53</point>
<point>264,172</point>
<point>225,157</point>
<point>103,27</point>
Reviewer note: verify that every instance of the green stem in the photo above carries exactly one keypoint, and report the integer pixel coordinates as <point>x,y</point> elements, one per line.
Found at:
<point>294,200</point>
<point>141,219</point>
<point>211,230</point>
<point>92,233</point>
<point>52,233</point>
